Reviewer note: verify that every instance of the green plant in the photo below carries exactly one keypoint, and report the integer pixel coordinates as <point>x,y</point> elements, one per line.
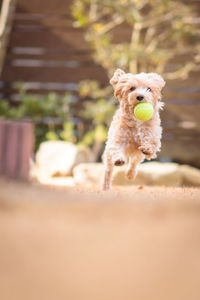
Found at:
<point>48,112</point>
<point>160,31</point>
<point>58,117</point>
<point>137,36</point>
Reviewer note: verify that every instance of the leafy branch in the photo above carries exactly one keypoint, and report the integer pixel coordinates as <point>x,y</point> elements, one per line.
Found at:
<point>160,31</point>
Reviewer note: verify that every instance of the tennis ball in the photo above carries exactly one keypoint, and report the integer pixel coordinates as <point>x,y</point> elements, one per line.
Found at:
<point>143,111</point>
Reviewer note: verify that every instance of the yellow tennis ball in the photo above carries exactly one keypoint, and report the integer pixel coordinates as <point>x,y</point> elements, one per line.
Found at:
<point>143,111</point>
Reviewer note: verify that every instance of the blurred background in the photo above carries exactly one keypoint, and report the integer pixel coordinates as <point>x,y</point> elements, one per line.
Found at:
<point>57,57</point>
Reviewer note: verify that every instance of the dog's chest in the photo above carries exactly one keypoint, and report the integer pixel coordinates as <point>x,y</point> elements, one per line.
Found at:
<point>131,134</point>
<point>127,135</point>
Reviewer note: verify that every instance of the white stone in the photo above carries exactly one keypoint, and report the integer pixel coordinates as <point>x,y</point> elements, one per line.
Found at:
<point>88,174</point>
<point>57,181</point>
<point>190,175</point>
<point>57,158</point>
<point>151,173</point>
<point>161,173</point>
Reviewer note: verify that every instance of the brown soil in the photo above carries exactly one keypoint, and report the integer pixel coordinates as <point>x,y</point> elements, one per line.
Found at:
<point>137,243</point>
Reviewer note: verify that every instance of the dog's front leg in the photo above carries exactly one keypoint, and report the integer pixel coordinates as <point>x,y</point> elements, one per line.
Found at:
<point>134,161</point>
<point>107,176</point>
<point>113,156</point>
<point>149,143</point>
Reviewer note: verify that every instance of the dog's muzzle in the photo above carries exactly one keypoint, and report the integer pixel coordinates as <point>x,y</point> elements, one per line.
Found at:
<point>140,97</point>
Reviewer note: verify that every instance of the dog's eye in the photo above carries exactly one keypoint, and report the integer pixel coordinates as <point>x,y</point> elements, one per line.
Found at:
<point>148,89</point>
<point>132,88</point>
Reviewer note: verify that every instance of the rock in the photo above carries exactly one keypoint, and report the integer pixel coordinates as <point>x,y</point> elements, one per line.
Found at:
<point>119,177</point>
<point>57,181</point>
<point>88,174</point>
<point>166,174</point>
<point>190,175</point>
<point>57,158</point>
<point>92,173</point>
<point>151,173</point>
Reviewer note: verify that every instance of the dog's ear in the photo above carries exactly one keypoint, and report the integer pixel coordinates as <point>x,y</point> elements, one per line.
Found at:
<point>117,74</point>
<point>157,80</point>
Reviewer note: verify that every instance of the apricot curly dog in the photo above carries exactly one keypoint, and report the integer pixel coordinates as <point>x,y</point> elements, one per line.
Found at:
<point>129,137</point>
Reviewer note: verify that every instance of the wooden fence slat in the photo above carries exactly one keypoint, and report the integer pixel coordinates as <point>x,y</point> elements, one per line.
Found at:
<point>50,63</point>
<point>54,74</point>
<point>49,20</point>
<point>65,39</point>
<point>38,6</point>
<point>58,6</point>
<point>65,56</point>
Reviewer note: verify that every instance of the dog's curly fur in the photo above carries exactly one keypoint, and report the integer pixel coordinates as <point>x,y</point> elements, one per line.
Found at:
<point>129,137</point>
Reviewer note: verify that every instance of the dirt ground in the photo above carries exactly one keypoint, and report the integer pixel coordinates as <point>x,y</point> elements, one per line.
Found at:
<point>137,243</point>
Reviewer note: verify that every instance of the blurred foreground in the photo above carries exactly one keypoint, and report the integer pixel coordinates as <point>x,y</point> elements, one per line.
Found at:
<point>130,243</point>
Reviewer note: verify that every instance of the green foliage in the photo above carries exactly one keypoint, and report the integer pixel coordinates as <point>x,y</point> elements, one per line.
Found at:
<point>137,36</point>
<point>36,107</point>
<point>98,135</point>
<point>51,136</point>
<point>47,112</point>
<point>58,117</point>
<point>159,31</point>
<point>101,111</point>
<point>67,134</point>
<point>99,107</point>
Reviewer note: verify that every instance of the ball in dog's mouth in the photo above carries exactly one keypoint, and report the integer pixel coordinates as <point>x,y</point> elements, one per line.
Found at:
<point>144,111</point>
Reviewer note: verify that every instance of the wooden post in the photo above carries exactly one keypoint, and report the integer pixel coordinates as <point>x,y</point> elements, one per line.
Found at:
<point>16,148</point>
<point>6,18</point>
<point>2,145</point>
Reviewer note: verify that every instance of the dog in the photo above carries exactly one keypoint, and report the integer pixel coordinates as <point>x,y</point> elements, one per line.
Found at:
<point>129,137</point>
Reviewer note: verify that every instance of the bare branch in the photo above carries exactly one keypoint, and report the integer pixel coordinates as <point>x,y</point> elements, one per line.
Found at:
<point>160,19</point>
<point>133,66</point>
<point>149,34</point>
<point>109,26</point>
<point>183,72</point>
<point>93,11</point>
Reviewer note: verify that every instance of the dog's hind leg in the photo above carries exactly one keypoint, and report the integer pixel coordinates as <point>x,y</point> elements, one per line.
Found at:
<point>134,161</point>
<point>113,156</point>
<point>107,176</point>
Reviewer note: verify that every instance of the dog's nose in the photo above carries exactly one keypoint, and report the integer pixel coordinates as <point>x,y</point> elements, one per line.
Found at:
<point>140,97</point>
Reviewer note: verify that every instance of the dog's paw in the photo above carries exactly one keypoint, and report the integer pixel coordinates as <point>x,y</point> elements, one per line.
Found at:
<point>149,156</point>
<point>147,151</point>
<point>131,174</point>
<point>119,162</point>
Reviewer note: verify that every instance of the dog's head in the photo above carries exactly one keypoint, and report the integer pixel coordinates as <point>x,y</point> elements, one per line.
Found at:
<point>133,89</point>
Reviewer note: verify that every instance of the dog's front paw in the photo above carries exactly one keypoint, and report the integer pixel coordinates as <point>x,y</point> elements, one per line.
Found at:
<point>150,156</point>
<point>131,174</point>
<point>119,162</point>
<point>147,151</point>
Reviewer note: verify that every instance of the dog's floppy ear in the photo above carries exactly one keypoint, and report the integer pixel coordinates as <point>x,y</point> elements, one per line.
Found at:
<point>117,74</point>
<point>157,80</point>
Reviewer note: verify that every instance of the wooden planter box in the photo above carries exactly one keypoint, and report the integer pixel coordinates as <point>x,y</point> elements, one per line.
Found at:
<point>16,148</point>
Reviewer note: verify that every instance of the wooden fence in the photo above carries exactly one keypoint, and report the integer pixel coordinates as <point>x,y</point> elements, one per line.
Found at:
<point>48,54</point>
<point>45,51</point>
